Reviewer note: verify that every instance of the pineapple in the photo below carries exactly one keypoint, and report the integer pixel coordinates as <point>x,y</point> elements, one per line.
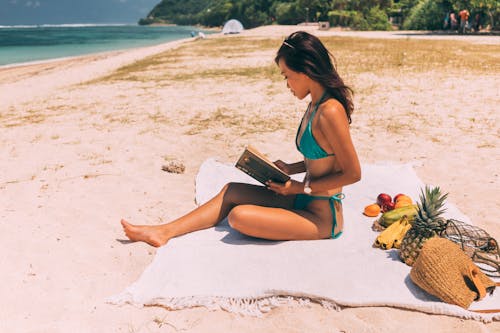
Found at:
<point>428,223</point>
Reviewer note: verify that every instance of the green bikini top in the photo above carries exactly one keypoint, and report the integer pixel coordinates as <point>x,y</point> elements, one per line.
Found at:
<point>308,145</point>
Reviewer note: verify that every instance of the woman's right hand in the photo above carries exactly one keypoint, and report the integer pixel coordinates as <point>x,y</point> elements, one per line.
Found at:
<point>285,167</point>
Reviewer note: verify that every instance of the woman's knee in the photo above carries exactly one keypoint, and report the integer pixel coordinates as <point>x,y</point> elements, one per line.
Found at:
<point>238,216</point>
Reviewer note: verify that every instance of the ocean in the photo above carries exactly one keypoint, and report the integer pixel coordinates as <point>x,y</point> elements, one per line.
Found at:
<point>20,44</point>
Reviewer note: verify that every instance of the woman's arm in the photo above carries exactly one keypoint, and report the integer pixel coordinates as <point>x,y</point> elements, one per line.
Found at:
<point>334,126</point>
<point>291,168</point>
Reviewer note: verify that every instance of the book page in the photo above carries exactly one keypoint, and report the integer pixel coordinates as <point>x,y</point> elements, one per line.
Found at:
<point>259,167</point>
<point>257,153</point>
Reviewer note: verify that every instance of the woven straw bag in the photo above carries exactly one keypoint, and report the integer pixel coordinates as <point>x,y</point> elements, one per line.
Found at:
<point>442,269</point>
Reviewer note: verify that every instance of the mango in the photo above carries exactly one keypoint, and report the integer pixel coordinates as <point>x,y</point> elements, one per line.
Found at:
<point>397,214</point>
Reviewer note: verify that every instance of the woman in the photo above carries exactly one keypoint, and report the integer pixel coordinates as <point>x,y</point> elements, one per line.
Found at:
<point>293,210</point>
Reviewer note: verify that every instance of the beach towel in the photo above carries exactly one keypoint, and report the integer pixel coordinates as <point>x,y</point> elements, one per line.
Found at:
<point>219,268</point>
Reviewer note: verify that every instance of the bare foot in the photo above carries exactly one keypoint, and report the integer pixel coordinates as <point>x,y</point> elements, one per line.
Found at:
<point>153,235</point>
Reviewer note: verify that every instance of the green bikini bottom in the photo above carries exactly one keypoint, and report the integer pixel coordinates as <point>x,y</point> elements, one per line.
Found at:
<point>303,200</point>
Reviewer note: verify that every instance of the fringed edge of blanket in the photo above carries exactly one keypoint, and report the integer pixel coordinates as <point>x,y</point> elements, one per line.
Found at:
<point>434,308</point>
<point>247,306</point>
<point>258,306</point>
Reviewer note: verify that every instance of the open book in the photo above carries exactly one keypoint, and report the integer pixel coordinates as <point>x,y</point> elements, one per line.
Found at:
<point>259,167</point>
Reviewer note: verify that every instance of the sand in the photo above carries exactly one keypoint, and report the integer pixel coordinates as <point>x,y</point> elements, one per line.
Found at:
<point>77,157</point>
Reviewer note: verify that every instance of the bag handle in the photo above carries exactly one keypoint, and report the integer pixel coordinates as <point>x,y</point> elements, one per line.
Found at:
<point>474,275</point>
<point>489,259</point>
<point>474,270</point>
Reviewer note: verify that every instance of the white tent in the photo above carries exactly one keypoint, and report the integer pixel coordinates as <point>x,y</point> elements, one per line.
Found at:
<point>232,27</point>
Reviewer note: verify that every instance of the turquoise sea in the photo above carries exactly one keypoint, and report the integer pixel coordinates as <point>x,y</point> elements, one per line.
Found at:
<point>19,44</point>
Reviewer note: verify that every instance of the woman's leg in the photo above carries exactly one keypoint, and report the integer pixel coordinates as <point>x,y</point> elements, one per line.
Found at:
<point>279,223</point>
<point>208,214</point>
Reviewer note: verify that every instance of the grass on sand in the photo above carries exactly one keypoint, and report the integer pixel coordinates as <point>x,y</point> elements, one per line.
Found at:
<point>357,55</point>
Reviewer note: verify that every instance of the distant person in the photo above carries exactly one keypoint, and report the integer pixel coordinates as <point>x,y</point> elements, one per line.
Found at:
<point>464,20</point>
<point>446,21</point>
<point>477,22</point>
<point>453,21</point>
<point>295,210</point>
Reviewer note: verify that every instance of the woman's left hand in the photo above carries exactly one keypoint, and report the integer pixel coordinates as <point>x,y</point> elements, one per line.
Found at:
<point>285,167</point>
<point>290,187</point>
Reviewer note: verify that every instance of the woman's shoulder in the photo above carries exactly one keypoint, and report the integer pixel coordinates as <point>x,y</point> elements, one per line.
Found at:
<point>332,109</point>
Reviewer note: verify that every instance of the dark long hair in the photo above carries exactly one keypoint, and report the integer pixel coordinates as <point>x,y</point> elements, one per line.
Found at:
<point>305,53</point>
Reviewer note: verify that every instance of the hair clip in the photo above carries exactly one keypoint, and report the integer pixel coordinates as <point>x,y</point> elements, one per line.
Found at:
<point>289,45</point>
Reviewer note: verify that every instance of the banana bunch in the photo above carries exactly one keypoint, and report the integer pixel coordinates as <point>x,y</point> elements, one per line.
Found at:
<point>393,235</point>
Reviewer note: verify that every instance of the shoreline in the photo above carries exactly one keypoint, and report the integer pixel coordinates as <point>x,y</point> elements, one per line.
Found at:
<point>96,64</point>
<point>150,43</point>
<point>52,60</point>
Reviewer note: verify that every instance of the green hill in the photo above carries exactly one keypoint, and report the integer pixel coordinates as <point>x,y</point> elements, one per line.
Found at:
<point>357,14</point>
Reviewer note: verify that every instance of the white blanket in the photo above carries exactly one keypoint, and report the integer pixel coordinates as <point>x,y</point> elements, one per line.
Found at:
<point>220,268</point>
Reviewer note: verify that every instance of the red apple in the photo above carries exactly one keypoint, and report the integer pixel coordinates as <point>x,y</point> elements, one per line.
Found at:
<point>397,196</point>
<point>388,206</point>
<point>383,198</point>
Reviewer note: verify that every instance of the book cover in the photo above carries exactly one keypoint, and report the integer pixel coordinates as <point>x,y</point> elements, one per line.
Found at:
<point>259,167</point>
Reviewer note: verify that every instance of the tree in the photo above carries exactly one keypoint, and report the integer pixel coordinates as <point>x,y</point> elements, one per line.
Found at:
<point>405,7</point>
<point>285,13</point>
<point>308,9</point>
<point>490,7</point>
<point>426,15</point>
<point>377,19</point>
<point>216,13</point>
<point>361,14</point>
